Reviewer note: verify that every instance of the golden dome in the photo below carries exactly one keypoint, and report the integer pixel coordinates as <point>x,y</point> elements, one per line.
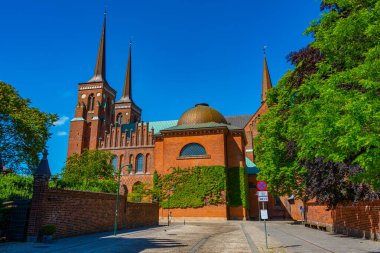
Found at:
<point>201,113</point>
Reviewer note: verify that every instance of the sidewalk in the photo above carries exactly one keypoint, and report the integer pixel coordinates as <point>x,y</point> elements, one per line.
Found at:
<point>218,237</point>
<point>285,236</point>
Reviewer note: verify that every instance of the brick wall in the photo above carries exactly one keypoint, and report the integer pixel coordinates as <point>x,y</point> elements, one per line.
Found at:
<point>77,212</point>
<point>141,214</point>
<point>360,220</point>
<point>167,158</point>
<point>218,212</point>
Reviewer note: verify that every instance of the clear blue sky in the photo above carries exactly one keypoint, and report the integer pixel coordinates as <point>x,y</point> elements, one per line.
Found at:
<point>184,52</point>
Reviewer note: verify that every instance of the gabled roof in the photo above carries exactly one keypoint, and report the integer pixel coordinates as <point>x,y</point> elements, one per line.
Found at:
<point>239,121</point>
<point>160,125</point>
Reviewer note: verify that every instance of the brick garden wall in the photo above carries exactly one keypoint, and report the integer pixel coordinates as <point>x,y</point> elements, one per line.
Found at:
<point>359,220</point>
<point>141,214</point>
<point>77,212</point>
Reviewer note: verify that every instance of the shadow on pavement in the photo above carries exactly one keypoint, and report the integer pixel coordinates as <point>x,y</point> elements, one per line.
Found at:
<point>139,244</point>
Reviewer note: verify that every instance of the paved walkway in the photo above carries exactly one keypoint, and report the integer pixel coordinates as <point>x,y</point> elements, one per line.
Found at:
<point>232,236</point>
<point>290,237</point>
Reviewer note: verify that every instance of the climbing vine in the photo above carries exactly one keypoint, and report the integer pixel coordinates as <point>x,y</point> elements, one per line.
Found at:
<point>191,187</point>
<point>201,186</point>
<point>237,187</point>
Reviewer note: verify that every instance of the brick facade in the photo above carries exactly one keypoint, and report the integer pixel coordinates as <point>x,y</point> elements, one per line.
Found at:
<point>251,130</point>
<point>218,212</point>
<point>167,154</point>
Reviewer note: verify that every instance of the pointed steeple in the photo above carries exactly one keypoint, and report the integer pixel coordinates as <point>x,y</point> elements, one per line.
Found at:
<point>127,90</point>
<point>100,68</point>
<point>267,83</point>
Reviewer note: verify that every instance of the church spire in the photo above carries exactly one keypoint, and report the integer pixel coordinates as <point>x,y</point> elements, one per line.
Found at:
<point>127,91</point>
<point>100,68</point>
<point>267,83</point>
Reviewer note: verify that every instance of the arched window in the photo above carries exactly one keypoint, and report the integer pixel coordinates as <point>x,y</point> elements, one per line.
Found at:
<point>139,163</point>
<point>119,118</point>
<point>131,160</point>
<point>90,102</point>
<point>193,149</point>
<point>114,163</point>
<point>137,192</point>
<point>108,108</point>
<point>121,158</point>
<point>147,161</point>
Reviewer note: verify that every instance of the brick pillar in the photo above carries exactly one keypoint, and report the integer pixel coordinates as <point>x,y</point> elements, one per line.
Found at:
<point>40,189</point>
<point>1,165</point>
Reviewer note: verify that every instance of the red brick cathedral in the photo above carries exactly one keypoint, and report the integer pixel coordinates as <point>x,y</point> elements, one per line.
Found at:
<point>202,136</point>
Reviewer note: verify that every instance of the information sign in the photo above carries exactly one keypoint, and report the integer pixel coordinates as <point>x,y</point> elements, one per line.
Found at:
<point>264,214</point>
<point>262,193</point>
<point>263,199</point>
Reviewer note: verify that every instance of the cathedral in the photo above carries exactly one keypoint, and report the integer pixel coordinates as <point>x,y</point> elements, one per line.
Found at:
<point>202,136</point>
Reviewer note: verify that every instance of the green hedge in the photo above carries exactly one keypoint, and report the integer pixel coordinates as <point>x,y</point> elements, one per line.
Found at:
<point>13,186</point>
<point>103,185</point>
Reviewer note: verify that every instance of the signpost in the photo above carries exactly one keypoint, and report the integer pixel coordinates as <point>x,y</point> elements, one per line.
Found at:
<point>264,214</point>
<point>262,195</point>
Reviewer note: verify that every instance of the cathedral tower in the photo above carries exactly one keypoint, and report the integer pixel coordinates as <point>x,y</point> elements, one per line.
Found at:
<point>126,111</point>
<point>94,112</point>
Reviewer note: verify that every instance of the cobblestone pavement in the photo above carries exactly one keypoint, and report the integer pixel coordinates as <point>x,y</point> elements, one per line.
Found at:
<point>233,236</point>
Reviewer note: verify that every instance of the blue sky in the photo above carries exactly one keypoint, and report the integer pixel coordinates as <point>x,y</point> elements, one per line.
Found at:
<point>184,52</point>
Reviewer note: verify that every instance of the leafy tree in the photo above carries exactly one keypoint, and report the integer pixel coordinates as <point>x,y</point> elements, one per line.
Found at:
<point>13,186</point>
<point>93,185</point>
<point>320,138</point>
<point>24,130</point>
<point>140,193</point>
<point>90,165</point>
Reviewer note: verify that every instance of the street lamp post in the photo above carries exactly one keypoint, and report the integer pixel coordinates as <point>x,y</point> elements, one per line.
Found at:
<point>118,193</point>
<point>169,211</point>
<point>173,188</point>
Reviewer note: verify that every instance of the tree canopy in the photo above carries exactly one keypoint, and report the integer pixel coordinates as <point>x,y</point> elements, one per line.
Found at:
<point>321,136</point>
<point>24,130</point>
<point>90,165</point>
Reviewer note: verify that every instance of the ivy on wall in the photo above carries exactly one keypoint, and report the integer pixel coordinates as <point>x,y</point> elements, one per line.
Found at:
<point>237,187</point>
<point>201,186</point>
<point>191,187</point>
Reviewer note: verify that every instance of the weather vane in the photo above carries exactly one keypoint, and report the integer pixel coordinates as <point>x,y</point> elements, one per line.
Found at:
<point>130,41</point>
<point>264,49</point>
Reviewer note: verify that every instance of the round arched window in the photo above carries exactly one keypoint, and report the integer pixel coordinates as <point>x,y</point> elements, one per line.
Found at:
<point>193,149</point>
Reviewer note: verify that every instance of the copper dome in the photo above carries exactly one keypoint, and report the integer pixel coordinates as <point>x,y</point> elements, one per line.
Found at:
<point>201,113</point>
